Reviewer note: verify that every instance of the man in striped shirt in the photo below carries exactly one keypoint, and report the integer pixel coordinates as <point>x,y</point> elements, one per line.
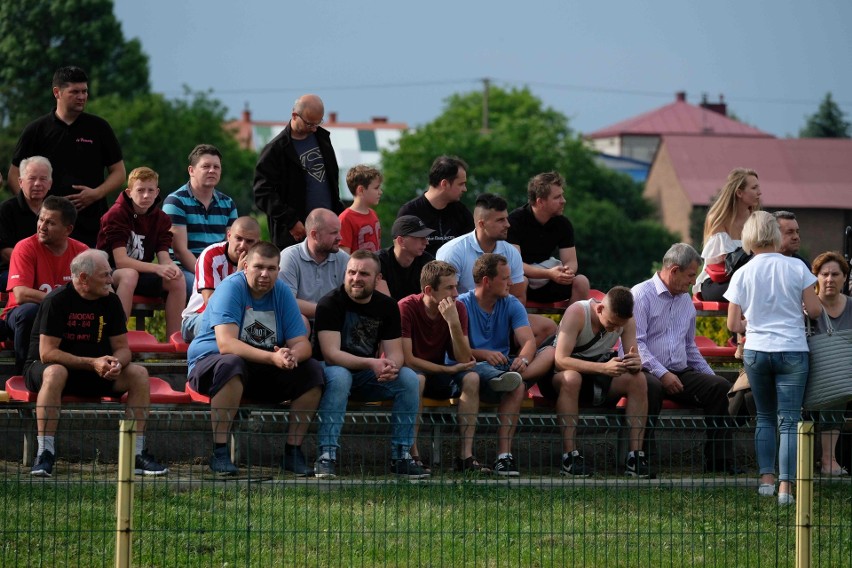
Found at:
<point>200,213</point>
<point>665,334</point>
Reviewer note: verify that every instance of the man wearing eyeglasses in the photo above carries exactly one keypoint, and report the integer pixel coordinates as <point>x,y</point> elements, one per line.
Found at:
<point>296,173</point>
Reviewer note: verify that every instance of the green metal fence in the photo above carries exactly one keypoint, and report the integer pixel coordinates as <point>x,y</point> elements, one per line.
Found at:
<point>367,517</point>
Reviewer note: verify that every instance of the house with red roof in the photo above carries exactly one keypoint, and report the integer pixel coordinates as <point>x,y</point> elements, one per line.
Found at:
<point>812,177</point>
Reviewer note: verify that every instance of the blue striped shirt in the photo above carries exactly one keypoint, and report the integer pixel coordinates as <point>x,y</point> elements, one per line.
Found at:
<point>665,329</point>
<point>205,226</point>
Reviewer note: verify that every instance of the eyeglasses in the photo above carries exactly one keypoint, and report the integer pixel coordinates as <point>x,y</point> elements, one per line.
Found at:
<point>310,124</point>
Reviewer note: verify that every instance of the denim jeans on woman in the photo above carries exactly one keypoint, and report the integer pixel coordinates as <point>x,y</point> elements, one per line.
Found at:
<point>778,385</point>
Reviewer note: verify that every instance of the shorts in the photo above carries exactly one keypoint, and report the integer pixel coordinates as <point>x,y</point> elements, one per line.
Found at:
<point>79,383</point>
<point>262,383</point>
<point>149,285</point>
<point>487,372</point>
<point>594,390</point>
<point>442,386</point>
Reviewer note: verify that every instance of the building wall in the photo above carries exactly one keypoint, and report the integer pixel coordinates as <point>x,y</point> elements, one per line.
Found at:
<point>820,229</point>
<point>610,146</point>
<point>641,148</point>
<point>664,190</point>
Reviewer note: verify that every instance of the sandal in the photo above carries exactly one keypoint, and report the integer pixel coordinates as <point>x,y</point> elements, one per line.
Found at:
<point>471,465</point>
<point>840,471</point>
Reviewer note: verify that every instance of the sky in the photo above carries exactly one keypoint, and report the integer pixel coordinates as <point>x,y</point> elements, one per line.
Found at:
<point>598,62</point>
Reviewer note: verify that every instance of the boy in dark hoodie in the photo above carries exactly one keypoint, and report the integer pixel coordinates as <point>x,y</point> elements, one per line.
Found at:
<point>134,232</point>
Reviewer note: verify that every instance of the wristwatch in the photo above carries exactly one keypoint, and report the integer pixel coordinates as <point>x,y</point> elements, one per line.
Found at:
<point>525,361</point>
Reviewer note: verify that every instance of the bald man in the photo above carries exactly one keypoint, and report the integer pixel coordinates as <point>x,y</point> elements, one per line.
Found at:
<point>296,173</point>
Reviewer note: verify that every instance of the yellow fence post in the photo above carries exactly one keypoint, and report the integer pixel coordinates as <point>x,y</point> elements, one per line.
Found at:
<point>805,495</point>
<point>124,496</point>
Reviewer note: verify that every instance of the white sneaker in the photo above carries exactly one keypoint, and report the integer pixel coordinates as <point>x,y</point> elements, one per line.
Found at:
<point>786,499</point>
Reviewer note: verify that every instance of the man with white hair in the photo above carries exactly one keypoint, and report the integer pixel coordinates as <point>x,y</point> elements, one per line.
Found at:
<point>79,346</point>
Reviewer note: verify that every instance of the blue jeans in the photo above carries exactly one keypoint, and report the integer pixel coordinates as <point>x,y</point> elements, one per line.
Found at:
<point>339,382</point>
<point>190,281</point>
<point>778,385</point>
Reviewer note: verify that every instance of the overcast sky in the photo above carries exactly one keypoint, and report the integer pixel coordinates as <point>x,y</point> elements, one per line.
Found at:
<point>598,62</point>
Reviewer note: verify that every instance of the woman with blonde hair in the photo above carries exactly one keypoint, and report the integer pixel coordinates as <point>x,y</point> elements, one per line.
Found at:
<point>723,227</point>
<point>769,292</point>
<point>831,270</point>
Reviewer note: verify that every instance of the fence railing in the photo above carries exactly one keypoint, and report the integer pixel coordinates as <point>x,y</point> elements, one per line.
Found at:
<point>366,516</point>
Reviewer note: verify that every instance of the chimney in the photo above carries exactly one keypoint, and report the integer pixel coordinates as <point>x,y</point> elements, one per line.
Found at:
<point>680,96</point>
<point>720,107</point>
<point>246,114</point>
<point>380,120</point>
<point>332,117</point>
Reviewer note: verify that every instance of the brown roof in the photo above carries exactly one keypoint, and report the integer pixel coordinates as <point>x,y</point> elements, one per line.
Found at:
<point>795,173</point>
<point>679,117</point>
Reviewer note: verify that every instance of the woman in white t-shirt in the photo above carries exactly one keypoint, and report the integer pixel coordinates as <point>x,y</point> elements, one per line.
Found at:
<point>832,270</point>
<point>739,197</point>
<point>769,292</point>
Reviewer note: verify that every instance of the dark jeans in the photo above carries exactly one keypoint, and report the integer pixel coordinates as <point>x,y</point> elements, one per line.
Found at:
<point>20,321</point>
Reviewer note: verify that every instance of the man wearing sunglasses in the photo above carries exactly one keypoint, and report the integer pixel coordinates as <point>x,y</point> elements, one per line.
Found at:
<point>296,173</point>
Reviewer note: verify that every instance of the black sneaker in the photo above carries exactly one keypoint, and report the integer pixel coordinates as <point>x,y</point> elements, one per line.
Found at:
<point>637,465</point>
<point>147,465</point>
<point>471,465</point>
<point>294,461</point>
<point>575,465</point>
<point>221,463</point>
<point>43,465</point>
<point>506,467</point>
<point>407,467</point>
<point>324,468</point>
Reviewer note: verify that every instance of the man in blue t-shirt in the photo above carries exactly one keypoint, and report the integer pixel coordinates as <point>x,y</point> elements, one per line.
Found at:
<point>251,342</point>
<point>495,317</point>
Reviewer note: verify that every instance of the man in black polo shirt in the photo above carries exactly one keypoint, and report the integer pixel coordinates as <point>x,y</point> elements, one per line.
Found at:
<point>538,230</point>
<point>403,262</point>
<point>79,146</point>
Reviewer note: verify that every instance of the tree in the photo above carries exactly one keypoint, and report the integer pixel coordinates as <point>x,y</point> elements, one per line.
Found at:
<point>159,133</point>
<point>39,36</point>
<point>827,122</point>
<point>526,138</point>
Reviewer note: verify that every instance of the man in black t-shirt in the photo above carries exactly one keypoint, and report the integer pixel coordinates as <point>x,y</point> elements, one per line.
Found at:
<point>79,146</point>
<point>79,346</point>
<point>538,230</point>
<point>354,326</point>
<point>440,208</point>
<point>403,262</point>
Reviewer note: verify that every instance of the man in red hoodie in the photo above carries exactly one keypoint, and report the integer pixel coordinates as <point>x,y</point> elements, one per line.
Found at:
<point>134,232</point>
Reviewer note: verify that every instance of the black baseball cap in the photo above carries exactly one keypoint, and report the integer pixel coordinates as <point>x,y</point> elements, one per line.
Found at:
<point>410,226</point>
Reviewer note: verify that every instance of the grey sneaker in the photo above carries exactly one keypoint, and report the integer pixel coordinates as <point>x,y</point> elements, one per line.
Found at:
<point>506,382</point>
<point>575,465</point>
<point>324,468</point>
<point>220,463</point>
<point>294,462</point>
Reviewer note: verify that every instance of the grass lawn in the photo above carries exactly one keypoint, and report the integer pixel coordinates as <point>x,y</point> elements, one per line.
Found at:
<point>443,522</point>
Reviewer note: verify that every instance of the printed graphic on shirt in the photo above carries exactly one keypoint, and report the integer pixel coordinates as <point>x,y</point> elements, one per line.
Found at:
<point>84,327</point>
<point>136,246</point>
<point>360,335</point>
<point>313,163</point>
<point>259,329</point>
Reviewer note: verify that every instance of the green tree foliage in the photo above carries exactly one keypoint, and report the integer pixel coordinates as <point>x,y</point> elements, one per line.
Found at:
<point>160,133</point>
<point>38,36</point>
<point>827,122</point>
<point>617,241</point>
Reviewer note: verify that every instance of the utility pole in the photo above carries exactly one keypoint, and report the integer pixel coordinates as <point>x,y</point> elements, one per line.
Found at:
<point>486,86</point>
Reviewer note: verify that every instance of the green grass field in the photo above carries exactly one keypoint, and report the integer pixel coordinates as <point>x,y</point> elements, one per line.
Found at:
<point>444,522</point>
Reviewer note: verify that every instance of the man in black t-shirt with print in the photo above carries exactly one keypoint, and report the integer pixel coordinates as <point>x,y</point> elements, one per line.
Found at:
<point>79,346</point>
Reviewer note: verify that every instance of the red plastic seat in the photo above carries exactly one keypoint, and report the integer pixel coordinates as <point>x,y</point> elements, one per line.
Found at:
<point>708,348</point>
<point>176,339</point>
<point>667,404</point>
<point>545,306</point>
<point>705,306</point>
<point>144,342</point>
<point>161,393</point>
<point>596,295</point>
<point>149,302</point>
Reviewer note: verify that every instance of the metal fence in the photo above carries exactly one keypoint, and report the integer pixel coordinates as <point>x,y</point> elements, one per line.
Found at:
<point>368,517</point>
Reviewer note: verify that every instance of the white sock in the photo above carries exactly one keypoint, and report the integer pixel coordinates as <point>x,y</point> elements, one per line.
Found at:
<point>140,444</point>
<point>46,444</point>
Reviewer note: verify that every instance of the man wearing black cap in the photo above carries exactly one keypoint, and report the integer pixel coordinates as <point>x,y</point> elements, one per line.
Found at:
<point>402,262</point>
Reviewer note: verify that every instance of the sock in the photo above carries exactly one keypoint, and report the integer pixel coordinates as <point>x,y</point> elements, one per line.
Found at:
<point>45,444</point>
<point>140,444</point>
<point>219,446</point>
<point>501,456</point>
<point>290,447</point>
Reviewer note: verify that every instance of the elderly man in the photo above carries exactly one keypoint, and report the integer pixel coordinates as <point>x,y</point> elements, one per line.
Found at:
<point>79,346</point>
<point>252,343</point>
<point>39,264</point>
<point>200,213</point>
<point>359,340</point>
<point>80,146</point>
<point>665,334</point>
<point>440,208</point>
<point>215,263</point>
<point>316,266</point>
<point>539,230</point>
<point>296,173</point>
<point>19,214</point>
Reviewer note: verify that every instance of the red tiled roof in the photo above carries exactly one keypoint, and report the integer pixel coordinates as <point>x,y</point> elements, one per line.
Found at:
<point>679,117</point>
<point>794,173</point>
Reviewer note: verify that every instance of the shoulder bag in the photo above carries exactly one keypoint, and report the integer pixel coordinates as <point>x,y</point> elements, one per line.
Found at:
<point>830,376</point>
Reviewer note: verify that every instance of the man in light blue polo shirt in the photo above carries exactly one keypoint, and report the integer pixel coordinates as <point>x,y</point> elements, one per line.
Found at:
<point>316,266</point>
<point>200,213</point>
